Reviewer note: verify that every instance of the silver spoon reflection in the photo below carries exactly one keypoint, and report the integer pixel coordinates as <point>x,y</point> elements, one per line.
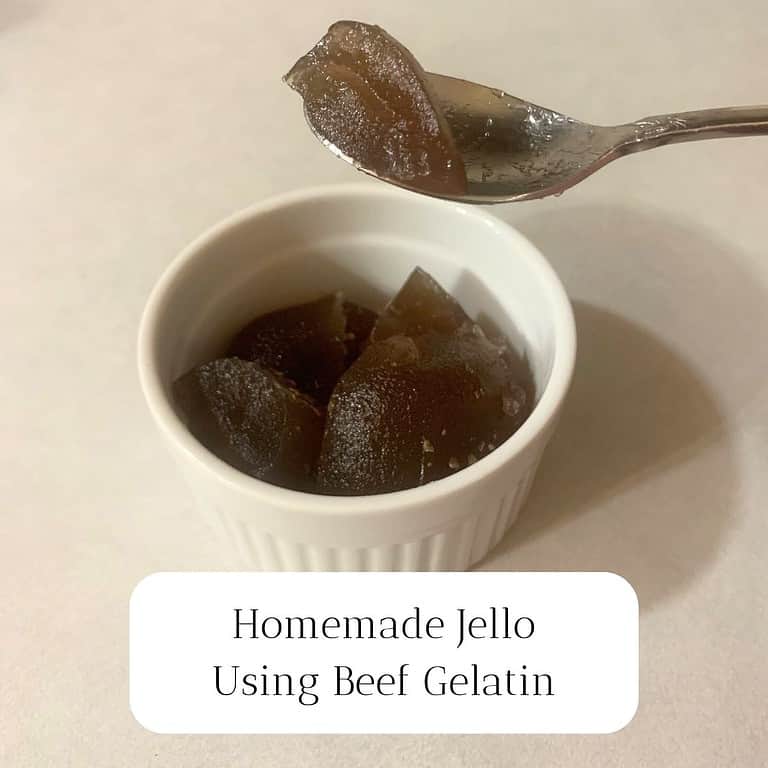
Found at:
<point>515,150</point>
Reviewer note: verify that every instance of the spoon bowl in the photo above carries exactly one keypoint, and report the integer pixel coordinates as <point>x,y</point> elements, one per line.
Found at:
<point>514,149</point>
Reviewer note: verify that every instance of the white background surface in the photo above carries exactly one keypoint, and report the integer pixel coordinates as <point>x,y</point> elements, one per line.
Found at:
<point>127,128</point>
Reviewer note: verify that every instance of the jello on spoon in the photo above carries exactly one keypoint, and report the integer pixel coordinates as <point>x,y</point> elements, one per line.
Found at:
<point>369,101</point>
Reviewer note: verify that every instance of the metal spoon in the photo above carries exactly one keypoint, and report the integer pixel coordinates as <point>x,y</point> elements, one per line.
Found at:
<point>514,150</point>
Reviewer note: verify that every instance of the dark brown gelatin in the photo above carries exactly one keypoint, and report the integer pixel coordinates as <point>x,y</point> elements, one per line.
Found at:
<point>425,394</point>
<point>416,409</point>
<point>251,419</point>
<point>360,322</point>
<point>367,96</point>
<point>421,305</point>
<point>304,343</point>
<point>310,344</point>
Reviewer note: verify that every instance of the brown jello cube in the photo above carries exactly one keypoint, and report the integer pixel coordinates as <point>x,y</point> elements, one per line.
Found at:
<point>420,306</point>
<point>304,343</point>
<point>251,419</point>
<point>415,409</point>
<point>310,344</point>
<point>360,322</point>
<point>367,97</point>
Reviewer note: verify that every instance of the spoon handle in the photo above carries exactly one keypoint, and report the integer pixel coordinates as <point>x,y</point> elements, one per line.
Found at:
<point>694,126</point>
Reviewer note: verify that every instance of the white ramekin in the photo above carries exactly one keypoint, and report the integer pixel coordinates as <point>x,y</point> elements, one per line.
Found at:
<point>363,240</point>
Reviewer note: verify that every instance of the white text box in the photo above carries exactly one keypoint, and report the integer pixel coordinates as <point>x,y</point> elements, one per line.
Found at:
<point>384,652</point>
